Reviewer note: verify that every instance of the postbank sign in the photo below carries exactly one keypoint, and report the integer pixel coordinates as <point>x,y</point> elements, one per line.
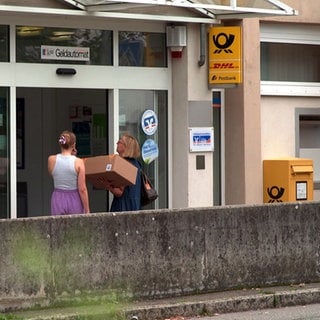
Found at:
<point>225,56</point>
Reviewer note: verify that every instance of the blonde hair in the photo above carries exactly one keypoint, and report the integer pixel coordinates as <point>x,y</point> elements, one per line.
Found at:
<point>132,149</point>
<point>67,139</point>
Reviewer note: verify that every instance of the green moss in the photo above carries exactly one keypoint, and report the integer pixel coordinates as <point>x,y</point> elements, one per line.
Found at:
<point>10,317</point>
<point>48,269</point>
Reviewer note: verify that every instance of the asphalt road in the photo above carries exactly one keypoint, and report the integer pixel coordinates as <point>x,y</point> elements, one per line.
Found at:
<point>308,312</point>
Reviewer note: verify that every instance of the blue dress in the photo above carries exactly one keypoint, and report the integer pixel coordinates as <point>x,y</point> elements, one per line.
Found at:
<point>131,197</point>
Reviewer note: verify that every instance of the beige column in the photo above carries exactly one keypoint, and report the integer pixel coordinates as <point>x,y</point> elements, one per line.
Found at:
<point>243,164</point>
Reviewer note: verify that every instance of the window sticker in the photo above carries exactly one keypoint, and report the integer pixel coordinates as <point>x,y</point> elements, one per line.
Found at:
<point>149,151</point>
<point>149,122</point>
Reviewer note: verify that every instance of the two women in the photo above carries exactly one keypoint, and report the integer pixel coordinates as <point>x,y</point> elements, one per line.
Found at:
<point>70,195</point>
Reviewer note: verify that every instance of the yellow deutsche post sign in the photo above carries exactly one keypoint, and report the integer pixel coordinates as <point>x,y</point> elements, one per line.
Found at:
<point>225,59</point>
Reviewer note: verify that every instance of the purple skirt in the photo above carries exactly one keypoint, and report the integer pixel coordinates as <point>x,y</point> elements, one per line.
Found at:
<point>66,202</point>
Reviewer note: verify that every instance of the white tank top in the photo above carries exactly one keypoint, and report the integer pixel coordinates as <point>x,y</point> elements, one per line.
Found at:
<point>64,174</point>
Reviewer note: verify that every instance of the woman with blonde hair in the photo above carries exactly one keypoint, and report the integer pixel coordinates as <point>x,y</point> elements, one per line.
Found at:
<point>127,198</point>
<point>70,195</point>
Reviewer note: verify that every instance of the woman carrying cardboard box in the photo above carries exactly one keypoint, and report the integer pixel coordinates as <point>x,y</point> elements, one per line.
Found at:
<point>127,198</point>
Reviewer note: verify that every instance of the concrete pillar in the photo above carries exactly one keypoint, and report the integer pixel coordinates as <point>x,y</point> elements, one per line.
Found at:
<point>243,125</point>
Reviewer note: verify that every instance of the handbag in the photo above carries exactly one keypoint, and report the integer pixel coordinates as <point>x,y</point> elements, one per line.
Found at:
<point>148,192</point>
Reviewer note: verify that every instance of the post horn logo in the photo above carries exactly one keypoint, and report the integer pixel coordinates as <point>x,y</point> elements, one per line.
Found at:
<point>275,193</point>
<point>223,41</point>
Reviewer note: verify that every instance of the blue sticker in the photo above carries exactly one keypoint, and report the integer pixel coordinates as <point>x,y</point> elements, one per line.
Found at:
<point>149,122</point>
<point>149,151</point>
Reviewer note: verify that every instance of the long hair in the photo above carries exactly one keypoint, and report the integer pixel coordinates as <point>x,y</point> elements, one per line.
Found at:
<point>132,149</point>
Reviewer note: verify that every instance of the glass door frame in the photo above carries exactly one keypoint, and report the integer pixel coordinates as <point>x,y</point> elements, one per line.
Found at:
<point>13,154</point>
<point>114,132</point>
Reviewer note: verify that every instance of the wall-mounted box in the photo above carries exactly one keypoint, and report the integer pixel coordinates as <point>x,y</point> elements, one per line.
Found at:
<point>176,36</point>
<point>287,180</point>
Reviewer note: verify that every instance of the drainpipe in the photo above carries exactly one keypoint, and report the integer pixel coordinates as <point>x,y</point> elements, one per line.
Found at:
<point>202,45</point>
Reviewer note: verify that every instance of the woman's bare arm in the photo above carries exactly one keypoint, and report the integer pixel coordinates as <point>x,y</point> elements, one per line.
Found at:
<point>82,187</point>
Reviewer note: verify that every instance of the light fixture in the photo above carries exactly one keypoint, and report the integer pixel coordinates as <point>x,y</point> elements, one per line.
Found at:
<point>66,71</point>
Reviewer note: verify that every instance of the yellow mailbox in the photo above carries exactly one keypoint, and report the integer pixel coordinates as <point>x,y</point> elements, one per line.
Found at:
<point>287,180</point>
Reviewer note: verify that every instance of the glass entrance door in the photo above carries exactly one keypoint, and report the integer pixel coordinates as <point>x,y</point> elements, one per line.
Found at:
<point>137,109</point>
<point>42,114</point>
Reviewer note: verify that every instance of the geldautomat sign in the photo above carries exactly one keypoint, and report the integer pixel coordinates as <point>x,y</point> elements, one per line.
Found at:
<point>65,53</point>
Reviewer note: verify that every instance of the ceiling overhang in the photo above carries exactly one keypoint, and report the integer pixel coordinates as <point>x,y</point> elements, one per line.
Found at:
<point>210,9</point>
<point>181,11</point>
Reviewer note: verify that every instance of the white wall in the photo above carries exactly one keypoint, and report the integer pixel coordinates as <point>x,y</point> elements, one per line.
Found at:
<point>277,127</point>
<point>200,182</point>
<point>200,187</point>
<point>278,124</point>
<point>278,130</point>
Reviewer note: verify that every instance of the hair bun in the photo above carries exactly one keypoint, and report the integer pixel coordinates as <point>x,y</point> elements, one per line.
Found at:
<point>62,140</point>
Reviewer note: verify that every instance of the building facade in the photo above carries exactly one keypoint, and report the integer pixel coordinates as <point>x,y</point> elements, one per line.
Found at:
<point>113,71</point>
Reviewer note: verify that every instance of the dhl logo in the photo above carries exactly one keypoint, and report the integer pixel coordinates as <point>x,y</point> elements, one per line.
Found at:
<point>226,65</point>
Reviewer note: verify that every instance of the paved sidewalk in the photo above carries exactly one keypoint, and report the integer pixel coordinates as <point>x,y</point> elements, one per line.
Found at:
<point>196,305</point>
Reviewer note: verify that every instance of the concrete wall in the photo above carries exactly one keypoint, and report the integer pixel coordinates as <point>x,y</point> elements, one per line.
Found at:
<point>152,254</point>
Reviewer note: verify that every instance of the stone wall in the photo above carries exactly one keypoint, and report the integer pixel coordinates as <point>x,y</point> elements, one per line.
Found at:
<point>160,253</point>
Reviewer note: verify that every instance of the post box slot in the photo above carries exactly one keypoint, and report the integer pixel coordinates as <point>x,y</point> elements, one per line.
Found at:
<point>302,169</point>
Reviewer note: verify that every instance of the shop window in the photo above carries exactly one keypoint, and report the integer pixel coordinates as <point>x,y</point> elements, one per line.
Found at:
<point>142,49</point>
<point>63,45</point>
<point>290,62</point>
<point>4,43</point>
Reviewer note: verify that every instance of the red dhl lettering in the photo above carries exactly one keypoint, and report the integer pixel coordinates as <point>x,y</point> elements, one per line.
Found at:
<point>223,66</point>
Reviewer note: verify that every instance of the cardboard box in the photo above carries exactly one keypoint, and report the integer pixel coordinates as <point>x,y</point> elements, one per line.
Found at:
<point>112,168</point>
